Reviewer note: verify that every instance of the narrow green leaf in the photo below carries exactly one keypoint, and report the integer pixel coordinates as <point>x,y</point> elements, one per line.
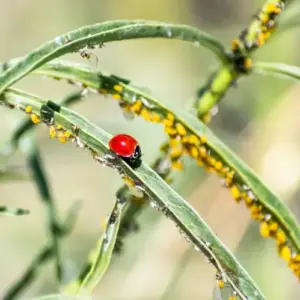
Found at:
<point>102,254</point>
<point>277,69</point>
<point>162,196</point>
<point>8,211</point>
<point>95,35</point>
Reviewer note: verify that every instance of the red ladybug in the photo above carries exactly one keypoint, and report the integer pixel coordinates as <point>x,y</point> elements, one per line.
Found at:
<point>126,147</point>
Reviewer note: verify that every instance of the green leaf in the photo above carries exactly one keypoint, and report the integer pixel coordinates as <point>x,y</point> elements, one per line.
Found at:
<point>101,256</point>
<point>95,35</point>
<point>277,69</point>
<point>163,198</point>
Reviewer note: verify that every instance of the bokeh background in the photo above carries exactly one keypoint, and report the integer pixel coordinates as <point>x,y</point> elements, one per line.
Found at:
<point>259,119</point>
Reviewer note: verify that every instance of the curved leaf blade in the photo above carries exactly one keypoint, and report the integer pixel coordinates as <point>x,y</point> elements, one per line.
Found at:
<point>95,35</point>
<point>277,69</point>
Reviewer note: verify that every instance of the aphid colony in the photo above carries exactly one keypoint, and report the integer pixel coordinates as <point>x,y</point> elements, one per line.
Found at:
<point>261,28</point>
<point>183,142</point>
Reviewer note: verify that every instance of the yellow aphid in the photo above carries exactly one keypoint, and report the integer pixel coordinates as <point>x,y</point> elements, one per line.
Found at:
<point>176,153</point>
<point>203,139</point>
<point>146,114</point>
<point>230,174</point>
<point>272,8</point>
<point>58,127</point>
<point>221,284</point>
<point>28,109</point>
<point>200,162</point>
<point>118,88</point>
<point>285,253</point>
<point>209,169</point>
<point>170,117</point>
<point>297,258</point>
<point>52,132</point>
<point>155,118</point>
<point>192,139</point>
<point>180,129</point>
<point>206,118</point>
<point>264,229</point>
<point>235,192</point>
<point>234,44</point>
<point>202,151</point>
<point>128,181</point>
<point>62,139</point>
<point>256,212</point>
<point>136,107</point>
<point>294,266</point>
<point>194,152</point>
<point>174,142</point>
<point>248,200</point>
<point>260,39</point>
<point>273,226</point>
<point>228,181</point>
<point>267,35</point>
<point>168,122</point>
<point>35,119</point>
<point>248,63</point>
<point>212,161</point>
<point>264,19</point>
<point>185,139</point>
<point>170,131</point>
<point>177,165</point>
<point>116,96</point>
<point>225,170</point>
<point>218,165</point>
<point>243,195</point>
<point>67,134</point>
<point>280,237</point>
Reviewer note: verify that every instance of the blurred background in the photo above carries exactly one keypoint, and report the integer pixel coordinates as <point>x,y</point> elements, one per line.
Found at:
<point>258,119</point>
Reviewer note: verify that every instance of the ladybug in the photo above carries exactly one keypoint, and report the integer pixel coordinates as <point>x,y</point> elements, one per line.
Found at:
<point>126,147</point>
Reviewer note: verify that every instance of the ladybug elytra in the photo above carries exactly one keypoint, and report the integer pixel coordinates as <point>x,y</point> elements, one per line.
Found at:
<point>126,147</point>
